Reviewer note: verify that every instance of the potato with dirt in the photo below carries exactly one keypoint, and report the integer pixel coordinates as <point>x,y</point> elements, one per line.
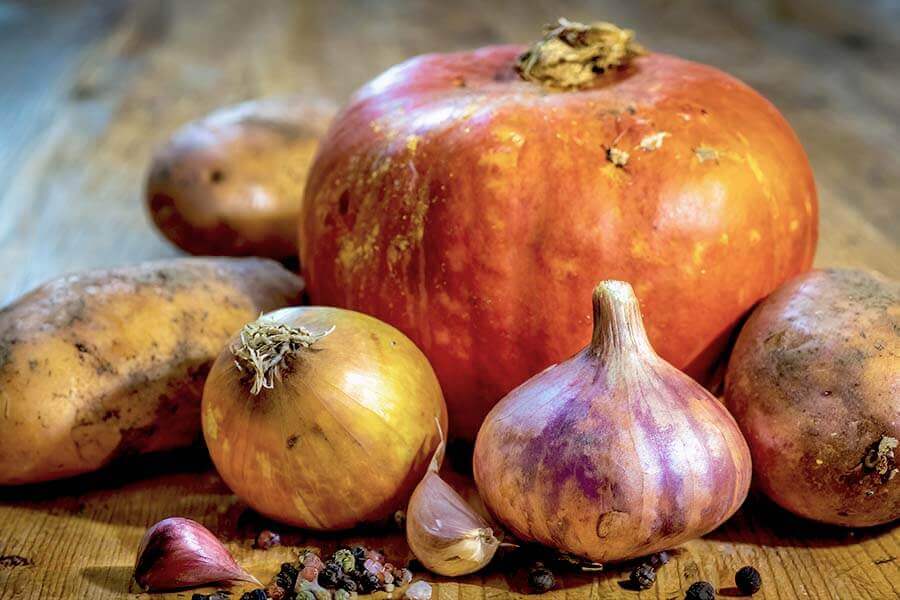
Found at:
<point>109,363</point>
<point>814,383</point>
<point>232,182</point>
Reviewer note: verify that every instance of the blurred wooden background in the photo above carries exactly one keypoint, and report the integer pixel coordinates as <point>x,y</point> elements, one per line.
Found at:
<point>89,87</point>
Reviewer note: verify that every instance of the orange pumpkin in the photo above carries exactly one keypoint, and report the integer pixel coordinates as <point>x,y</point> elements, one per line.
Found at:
<point>473,199</point>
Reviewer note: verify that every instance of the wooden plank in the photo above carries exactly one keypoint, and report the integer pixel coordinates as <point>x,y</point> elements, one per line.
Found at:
<point>82,537</point>
<point>88,89</point>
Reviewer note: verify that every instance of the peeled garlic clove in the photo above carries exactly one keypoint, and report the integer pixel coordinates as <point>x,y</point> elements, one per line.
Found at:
<point>443,531</point>
<point>180,553</point>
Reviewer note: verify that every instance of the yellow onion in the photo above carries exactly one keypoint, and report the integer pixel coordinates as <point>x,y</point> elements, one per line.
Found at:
<point>322,418</point>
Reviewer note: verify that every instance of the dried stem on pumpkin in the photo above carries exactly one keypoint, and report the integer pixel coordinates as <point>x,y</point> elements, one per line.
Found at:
<point>573,55</point>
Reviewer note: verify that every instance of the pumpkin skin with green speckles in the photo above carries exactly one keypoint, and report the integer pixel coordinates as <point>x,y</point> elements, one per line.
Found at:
<point>474,211</point>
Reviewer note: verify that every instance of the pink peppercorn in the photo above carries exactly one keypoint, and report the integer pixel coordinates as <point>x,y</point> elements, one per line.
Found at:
<point>309,573</point>
<point>267,539</point>
<point>310,559</point>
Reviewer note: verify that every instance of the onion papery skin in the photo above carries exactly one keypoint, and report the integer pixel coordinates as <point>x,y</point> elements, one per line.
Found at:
<point>343,438</point>
<point>457,202</point>
<point>814,383</point>
<point>611,455</point>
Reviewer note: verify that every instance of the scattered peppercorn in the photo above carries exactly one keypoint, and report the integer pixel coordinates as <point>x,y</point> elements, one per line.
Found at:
<point>311,579</point>
<point>359,553</point>
<point>310,559</point>
<point>376,555</point>
<point>258,594</point>
<point>541,579</point>
<point>368,582</point>
<point>345,559</point>
<point>643,577</point>
<point>748,580</point>
<point>267,539</point>
<point>14,560</point>
<point>219,595</point>
<point>700,590</point>
<point>659,559</point>
<point>287,576</point>
<point>276,592</point>
<point>348,583</point>
<point>309,573</point>
<point>420,590</point>
<point>331,575</point>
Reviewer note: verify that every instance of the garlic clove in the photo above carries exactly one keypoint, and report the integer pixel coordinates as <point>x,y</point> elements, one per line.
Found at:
<point>443,531</point>
<point>179,553</point>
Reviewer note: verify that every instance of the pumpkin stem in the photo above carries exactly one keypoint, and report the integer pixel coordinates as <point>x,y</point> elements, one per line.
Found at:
<point>618,326</point>
<point>263,347</point>
<point>572,55</point>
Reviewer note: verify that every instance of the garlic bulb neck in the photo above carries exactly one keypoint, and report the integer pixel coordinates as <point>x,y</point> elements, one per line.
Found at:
<point>618,326</point>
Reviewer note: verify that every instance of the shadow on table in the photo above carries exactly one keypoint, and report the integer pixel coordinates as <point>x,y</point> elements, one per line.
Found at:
<point>184,483</point>
<point>113,579</point>
<point>762,522</point>
<point>160,481</point>
<point>133,470</point>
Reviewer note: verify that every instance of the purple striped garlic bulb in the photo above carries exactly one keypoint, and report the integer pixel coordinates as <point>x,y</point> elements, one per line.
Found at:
<point>614,453</point>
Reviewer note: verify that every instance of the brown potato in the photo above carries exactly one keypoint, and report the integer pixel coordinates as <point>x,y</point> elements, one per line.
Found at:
<point>99,365</point>
<point>232,182</point>
<point>814,383</point>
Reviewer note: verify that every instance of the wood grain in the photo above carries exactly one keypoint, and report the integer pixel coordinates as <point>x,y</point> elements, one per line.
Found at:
<point>89,88</point>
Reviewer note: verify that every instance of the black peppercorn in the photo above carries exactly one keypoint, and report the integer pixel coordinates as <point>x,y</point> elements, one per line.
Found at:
<point>368,582</point>
<point>220,595</point>
<point>330,575</point>
<point>287,576</point>
<point>284,582</point>
<point>359,553</point>
<point>659,559</point>
<point>643,577</point>
<point>700,590</point>
<point>748,580</point>
<point>259,594</point>
<point>541,579</point>
<point>347,583</point>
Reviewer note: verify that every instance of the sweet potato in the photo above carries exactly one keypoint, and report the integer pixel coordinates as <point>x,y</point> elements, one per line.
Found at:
<point>232,182</point>
<point>104,364</point>
<point>814,383</point>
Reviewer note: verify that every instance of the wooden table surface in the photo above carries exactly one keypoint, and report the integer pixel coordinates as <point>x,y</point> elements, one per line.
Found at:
<point>88,88</point>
